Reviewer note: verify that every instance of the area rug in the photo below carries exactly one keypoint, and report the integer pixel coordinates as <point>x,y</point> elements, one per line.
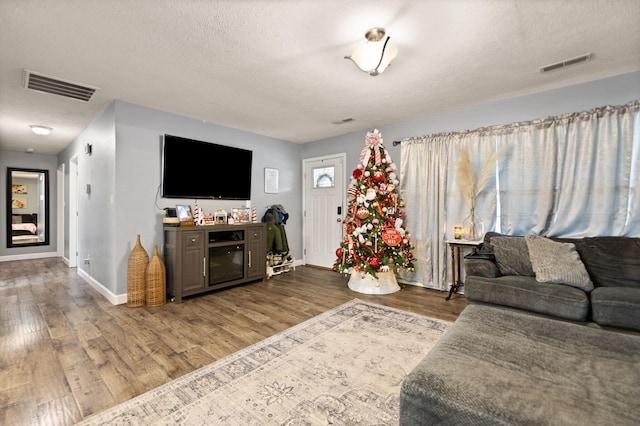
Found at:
<point>342,367</point>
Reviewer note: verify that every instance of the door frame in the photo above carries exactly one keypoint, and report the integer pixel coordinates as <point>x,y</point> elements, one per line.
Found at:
<point>342,156</point>
<point>73,212</point>
<point>60,210</point>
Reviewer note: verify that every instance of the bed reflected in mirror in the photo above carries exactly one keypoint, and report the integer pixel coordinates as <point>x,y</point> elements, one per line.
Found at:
<point>27,207</point>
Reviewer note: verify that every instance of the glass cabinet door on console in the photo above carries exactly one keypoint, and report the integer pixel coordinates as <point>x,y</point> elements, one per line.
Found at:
<point>226,263</point>
<point>226,256</point>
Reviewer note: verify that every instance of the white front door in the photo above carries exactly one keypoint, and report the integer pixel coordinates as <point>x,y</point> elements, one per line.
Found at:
<point>324,199</point>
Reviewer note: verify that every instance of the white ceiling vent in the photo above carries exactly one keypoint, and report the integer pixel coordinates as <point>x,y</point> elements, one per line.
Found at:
<point>48,84</point>
<point>566,63</point>
<point>343,121</point>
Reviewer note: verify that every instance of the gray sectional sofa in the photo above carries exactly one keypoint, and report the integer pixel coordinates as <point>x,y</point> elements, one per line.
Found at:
<point>551,335</point>
<point>502,274</point>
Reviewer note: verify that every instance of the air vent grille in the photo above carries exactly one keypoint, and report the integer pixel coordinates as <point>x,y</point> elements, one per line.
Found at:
<point>566,63</point>
<point>343,121</point>
<point>48,84</point>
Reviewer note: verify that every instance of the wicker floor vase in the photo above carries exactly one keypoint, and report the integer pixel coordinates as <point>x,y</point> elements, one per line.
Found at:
<point>136,275</point>
<point>156,280</point>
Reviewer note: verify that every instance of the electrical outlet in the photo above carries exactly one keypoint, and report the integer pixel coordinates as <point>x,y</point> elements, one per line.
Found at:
<point>87,260</point>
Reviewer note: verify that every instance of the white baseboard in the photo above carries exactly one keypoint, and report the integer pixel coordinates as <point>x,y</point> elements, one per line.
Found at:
<point>115,299</point>
<point>27,256</point>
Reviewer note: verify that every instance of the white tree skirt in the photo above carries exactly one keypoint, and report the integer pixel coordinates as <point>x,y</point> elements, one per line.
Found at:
<point>364,283</point>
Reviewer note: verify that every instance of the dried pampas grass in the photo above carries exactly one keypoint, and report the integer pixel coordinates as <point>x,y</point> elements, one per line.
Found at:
<point>469,187</point>
<point>466,178</point>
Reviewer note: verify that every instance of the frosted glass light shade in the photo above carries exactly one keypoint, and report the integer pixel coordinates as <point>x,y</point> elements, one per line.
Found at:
<point>40,130</point>
<point>367,57</point>
<point>375,56</point>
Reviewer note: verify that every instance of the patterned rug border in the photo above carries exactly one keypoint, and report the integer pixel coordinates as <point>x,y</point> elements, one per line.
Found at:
<point>229,368</point>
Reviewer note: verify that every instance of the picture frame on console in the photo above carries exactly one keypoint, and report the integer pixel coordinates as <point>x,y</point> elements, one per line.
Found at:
<point>184,213</point>
<point>241,215</point>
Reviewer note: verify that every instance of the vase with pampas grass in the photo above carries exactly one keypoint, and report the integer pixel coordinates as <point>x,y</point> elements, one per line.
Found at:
<point>472,227</point>
<point>470,188</point>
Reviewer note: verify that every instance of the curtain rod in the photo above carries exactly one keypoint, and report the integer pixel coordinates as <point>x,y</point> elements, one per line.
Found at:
<point>396,143</point>
<point>631,105</point>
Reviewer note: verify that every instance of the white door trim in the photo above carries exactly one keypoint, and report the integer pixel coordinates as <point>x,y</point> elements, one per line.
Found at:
<point>60,211</point>
<point>343,157</point>
<point>73,212</point>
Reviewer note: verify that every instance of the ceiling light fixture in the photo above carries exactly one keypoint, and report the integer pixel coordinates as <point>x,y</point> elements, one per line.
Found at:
<point>40,130</point>
<point>375,56</point>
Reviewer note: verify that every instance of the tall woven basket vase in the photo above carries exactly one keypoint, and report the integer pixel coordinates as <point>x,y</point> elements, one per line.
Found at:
<point>136,275</point>
<point>156,281</point>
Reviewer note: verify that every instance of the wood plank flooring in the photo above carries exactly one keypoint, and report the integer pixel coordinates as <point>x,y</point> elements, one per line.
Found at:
<point>67,353</point>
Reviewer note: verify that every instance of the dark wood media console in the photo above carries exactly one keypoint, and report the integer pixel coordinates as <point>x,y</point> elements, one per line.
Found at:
<point>205,258</point>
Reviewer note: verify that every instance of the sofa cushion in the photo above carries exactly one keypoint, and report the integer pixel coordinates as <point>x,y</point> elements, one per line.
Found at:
<point>512,255</point>
<point>611,261</point>
<point>502,367</point>
<point>526,293</point>
<point>480,266</point>
<point>616,307</point>
<point>556,262</point>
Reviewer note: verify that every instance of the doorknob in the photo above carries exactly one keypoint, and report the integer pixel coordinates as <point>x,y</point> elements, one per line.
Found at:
<point>339,220</point>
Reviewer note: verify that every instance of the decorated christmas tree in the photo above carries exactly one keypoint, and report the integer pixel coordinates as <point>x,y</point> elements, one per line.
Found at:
<point>375,238</point>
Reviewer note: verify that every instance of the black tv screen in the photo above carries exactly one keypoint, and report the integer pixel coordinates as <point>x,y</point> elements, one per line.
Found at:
<point>196,169</point>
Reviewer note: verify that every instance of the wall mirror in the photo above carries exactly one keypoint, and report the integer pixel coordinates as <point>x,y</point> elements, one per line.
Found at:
<point>27,207</point>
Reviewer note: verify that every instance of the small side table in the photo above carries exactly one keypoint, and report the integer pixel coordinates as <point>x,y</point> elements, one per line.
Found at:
<point>456,273</point>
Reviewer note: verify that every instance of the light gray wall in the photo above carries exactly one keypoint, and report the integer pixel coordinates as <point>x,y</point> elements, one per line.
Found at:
<point>616,90</point>
<point>139,208</point>
<point>28,161</point>
<point>125,176</point>
<point>96,212</point>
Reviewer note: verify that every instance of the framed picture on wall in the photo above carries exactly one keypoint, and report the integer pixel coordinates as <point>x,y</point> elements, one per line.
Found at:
<point>19,189</point>
<point>19,203</point>
<point>270,180</point>
<point>184,213</point>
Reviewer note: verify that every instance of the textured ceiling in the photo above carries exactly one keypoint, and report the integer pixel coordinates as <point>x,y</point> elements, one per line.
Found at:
<point>277,68</point>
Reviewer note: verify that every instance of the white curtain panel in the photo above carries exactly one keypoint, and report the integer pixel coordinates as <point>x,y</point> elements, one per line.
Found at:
<point>527,179</point>
<point>572,176</point>
<point>423,187</point>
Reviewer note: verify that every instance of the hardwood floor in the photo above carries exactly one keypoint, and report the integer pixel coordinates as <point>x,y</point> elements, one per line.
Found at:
<point>67,353</point>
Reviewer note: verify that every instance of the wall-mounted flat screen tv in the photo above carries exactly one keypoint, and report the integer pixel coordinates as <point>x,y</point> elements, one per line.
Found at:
<point>197,169</point>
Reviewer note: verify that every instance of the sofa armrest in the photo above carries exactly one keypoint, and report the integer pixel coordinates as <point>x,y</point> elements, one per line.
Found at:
<point>481,265</point>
